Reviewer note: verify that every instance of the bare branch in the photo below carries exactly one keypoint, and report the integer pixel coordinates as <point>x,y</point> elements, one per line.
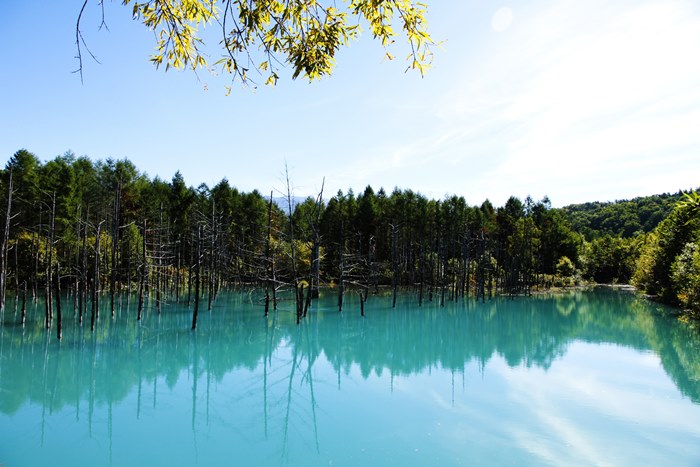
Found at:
<point>79,39</point>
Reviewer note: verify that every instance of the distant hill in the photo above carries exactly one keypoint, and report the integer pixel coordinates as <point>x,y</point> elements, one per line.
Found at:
<point>282,203</point>
<point>625,218</point>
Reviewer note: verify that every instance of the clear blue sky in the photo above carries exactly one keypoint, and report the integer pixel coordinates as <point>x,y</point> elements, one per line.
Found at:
<point>580,101</point>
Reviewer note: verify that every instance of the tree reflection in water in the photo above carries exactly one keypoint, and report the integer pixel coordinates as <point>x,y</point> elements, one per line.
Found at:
<point>261,374</point>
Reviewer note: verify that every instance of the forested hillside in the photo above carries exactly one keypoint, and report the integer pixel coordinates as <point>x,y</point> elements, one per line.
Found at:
<point>624,218</point>
<point>99,229</point>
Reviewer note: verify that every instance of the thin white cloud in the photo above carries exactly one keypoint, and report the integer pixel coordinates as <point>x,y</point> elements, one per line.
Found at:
<point>562,407</point>
<point>578,89</point>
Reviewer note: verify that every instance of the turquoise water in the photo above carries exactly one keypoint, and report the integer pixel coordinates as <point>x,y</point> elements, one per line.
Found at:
<point>587,378</point>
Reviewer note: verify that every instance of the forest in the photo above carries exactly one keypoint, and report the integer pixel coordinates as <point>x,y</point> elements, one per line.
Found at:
<point>94,230</point>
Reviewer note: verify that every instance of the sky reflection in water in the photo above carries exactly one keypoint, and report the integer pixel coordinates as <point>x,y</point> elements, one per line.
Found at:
<point>588,378</point>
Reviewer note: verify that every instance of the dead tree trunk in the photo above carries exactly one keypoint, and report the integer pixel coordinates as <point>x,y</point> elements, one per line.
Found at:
<point>394,266</point>
<point>178,251</point>
<point>128,272</point>
<point>422,274</point>
<point>300,302</point>
<point>76,277</point>
<point>82,293</point>
<point>363,299</point>
<point>96,280</point>
<point>364,294</point>
<point>442,268</point>
<point>197,278</point>
<point>3,247</point>
<point>144,272</point>
<point>115,241</point>
<point>210,284</point>
<point>295,278</point>
<point>24,303</point>
<point>315,272</point>
<point>49,265</point>
<point>269,266</point>
<point>36,244</point>
<point>341,267</point>
<point>159,264</point>
<point>190,271</point>
<point>59,314</point>
<point>16,272</point>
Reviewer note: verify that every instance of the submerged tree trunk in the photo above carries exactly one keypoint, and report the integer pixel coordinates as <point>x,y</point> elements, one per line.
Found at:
<point>210,276</point>
<point>394,266</point>
<point>144,272</point>
<point>59,314</point>
<point>96,281</point>
<point>197,278</point>
<point>315,271</point>
<point>24,303</point>
<point>82,292</point>
<point>115,241</point>
<point>300,302</point>
<point>422,275</point>
<point>178,250</point>
<point>307,302</point>
<point>363,299</point>
<point>190,272</point>
<point>295,278</point>
<point>269,284</point>
<point>159,264</point>
<point>49,265</point>
<point>128,272</point>
<point>3,247</point>
<point>442,258</point>
<point>36,244</point>
<point>341,277</point>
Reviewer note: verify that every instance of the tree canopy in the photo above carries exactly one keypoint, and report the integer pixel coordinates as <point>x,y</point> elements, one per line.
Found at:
<point>265,35</point>
<point>625,218</point>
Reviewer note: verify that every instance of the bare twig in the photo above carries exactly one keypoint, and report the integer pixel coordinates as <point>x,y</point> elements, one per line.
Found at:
<point>79,39</point>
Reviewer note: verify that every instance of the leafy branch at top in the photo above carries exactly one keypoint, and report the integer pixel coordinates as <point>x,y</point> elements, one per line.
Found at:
<point>264,35</point>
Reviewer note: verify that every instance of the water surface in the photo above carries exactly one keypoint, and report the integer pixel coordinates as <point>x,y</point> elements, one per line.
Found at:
<point>587,378</point>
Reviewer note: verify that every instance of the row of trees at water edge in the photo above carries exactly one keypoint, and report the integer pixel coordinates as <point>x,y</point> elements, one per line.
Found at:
<point>95,230</point>
<point>662,258</point>
<point>71,224</point>
<point>669,259</point>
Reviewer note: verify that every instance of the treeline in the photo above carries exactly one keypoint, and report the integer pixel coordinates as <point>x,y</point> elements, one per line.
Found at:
<point>100,229</point>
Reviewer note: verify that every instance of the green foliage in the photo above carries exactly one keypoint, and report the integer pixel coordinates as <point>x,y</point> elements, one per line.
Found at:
<point>25,179</point>
<point>30,247</point>
<point>690,203</point>
<point>611,259</point>
<point>304,218</point>
<point>565,268</point>
<point>261,35</point>
<point>643,276</point>
<point>685,277</point>
<point>667,265</point>
<point>625,218</point>
<point>557,237</point>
